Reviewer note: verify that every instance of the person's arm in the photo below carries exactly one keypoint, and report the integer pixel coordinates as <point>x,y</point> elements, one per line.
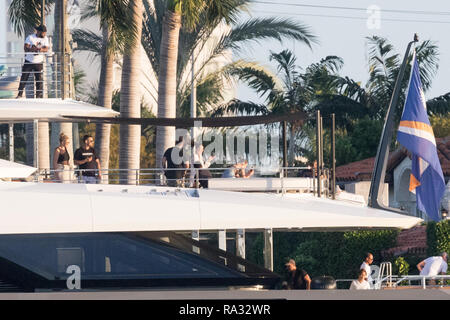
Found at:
<point>308,282</point>
<point>78,159</point>
<point>78,162</point>
<point>29,45</point>
<point>249,173</point>
<point>99,168</point>
<point>420,265</point>
<point>27,48</point>
<point>45,46</point>
<point>55,158</point>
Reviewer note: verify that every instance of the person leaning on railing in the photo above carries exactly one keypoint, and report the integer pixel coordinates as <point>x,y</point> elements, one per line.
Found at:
<point>34,45</point>
<point>433,266</point>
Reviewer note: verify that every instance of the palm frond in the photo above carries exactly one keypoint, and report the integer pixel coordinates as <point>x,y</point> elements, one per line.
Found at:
<point>286,63</point>
<point>258,29</point>
<point>428,57</point>
<point>439,105</point>
<point>25,15</point>
<point>238,107</point>
<point>87,40</point>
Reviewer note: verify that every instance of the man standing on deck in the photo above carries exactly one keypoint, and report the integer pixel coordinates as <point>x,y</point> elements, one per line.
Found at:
<point>86,159</point>
<point>298,278</point>
<point>34,45</point>
<point>173,161</point>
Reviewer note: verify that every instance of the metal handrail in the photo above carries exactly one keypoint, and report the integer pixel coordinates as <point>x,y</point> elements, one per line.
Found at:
<point>422,279</point>
<point>51,75</point>
<point>155,176</point>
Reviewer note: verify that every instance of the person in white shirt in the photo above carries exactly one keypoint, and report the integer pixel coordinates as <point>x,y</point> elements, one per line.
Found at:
<point>366,266</point>
<point>35,45</point>
<point>361,283</point>
<point>433,266</point>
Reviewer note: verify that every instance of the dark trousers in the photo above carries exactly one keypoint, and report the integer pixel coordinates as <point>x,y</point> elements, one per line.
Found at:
<point>203,175</point>
<point>27,70</point>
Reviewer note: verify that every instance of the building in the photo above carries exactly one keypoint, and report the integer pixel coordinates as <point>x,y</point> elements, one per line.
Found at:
<point>10,43</point>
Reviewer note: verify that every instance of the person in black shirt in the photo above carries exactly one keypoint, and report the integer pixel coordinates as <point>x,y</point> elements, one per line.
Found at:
<point>173,159</point>
<point>297,278</point>
<point>86,159</point>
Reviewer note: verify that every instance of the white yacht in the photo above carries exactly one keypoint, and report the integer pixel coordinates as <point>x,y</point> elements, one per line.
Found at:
<point>123,236</point>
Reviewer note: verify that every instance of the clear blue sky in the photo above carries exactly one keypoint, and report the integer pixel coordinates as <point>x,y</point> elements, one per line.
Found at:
<point>342,32</point>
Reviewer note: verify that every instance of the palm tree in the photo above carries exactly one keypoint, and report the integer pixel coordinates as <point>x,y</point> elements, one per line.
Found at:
<point>116,33</point>
<point>287,92</point>
<point>170,45</point>
<point>373,99</point>
<point>361,108</point>
<point>130,99</point>
<point>24,17</point>
<point>211,43</point>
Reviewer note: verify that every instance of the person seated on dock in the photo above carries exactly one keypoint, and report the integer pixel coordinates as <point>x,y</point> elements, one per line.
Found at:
<point>360,283</point>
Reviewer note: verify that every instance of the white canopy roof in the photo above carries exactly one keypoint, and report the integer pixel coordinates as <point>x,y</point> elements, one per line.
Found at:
<point>10,169</point>
<point>58,208</point>
<point>24,110</point>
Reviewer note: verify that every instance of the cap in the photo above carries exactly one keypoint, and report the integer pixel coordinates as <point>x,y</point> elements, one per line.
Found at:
<point>291,261</point>
<point>41,28</point>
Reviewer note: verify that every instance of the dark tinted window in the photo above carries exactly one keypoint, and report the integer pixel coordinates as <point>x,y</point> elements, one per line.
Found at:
<point>106,255</point>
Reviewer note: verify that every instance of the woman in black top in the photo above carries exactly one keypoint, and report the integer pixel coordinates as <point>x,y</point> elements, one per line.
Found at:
<point>61,159</point>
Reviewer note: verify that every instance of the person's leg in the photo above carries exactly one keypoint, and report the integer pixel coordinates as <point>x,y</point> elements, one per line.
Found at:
<point>37,68</point>
<point>24,78</point>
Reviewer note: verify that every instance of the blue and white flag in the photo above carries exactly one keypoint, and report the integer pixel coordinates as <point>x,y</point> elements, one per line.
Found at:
<point>416,134</point>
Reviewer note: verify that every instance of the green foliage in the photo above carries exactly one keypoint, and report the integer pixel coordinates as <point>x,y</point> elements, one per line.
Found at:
<point>365,137</point>
<point>438,237</point>
<point>338,254</point>
<point>345,152</point>
<point>441,125</point>
<point>401,266</point>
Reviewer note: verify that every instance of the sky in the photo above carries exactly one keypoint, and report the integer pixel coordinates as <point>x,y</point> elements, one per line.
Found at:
<point>343,32</point>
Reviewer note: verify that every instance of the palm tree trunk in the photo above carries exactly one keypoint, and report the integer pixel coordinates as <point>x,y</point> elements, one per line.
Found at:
<point>130,135</point>
<point>292,145</point>
<point>58,128</point>
<point>167,87</point>
<point>105,90</point>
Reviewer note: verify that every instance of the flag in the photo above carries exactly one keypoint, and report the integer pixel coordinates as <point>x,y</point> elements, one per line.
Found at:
<point>416,134</point>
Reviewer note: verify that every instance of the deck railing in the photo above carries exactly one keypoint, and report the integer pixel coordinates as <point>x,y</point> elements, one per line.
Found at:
<point>11,65</point>
<point>282,180</point>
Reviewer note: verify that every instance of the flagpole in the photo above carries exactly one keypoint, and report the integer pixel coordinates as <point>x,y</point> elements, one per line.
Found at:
<point>379,171</point>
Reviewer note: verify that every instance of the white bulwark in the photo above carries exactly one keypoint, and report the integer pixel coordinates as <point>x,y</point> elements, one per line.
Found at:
<point>36,208</point>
